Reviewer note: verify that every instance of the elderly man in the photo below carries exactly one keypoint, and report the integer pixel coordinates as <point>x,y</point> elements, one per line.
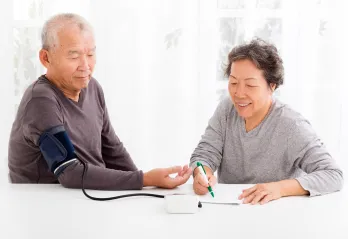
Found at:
<point>63,120</point>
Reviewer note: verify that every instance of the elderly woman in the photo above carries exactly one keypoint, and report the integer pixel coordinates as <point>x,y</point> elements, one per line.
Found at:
<point>253,138</point>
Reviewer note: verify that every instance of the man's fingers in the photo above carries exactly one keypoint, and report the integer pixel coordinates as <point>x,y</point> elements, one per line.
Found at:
<point>181,173</point>
<point>185,168</point>
<point>188,172</point>
<point>174,182</point>
<point>186,175</point>
<point>172,170</point>
<point>179,180</point>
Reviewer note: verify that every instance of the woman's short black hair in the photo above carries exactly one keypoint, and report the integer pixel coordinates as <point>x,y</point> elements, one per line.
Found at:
<point>264,55</point>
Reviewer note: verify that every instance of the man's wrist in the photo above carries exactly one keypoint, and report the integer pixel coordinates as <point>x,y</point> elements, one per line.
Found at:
<point>146,180</point>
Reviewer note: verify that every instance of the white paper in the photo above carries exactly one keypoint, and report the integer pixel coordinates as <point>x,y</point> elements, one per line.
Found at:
<point>224,194</point>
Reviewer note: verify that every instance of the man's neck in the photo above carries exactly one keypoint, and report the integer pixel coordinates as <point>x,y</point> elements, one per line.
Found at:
<point>71,94</point>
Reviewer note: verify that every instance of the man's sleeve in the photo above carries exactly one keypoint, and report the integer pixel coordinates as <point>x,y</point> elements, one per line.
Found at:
<point>114,153</point>
<point>43,114</point>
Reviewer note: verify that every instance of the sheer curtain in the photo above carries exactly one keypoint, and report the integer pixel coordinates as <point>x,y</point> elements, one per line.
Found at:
<point>159,63</point>
<point>311,36</point>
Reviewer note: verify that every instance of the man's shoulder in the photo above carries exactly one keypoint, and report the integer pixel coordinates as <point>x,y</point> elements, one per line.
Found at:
<point>39,90</point>
<point>42,88</point>
<point>94,88</point>
<point>95,85</point>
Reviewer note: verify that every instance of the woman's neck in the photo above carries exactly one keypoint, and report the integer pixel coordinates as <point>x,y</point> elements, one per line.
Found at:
<point>252,122</point>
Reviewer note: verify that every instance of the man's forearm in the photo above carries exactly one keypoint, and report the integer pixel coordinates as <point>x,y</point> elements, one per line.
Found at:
<point>100,178</point>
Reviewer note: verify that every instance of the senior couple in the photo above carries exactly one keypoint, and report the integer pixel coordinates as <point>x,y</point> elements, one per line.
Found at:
<point>252,138</point>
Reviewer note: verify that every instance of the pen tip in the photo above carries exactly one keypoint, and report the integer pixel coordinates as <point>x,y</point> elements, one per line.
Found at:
<point>212,194</point>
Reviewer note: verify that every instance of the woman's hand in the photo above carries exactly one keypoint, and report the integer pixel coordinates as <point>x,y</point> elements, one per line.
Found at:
<point>200,186</point>
<point>265,192</point>
<point>261,193</point>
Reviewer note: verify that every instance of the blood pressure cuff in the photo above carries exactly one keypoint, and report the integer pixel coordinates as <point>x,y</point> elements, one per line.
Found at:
<point>57,149</point>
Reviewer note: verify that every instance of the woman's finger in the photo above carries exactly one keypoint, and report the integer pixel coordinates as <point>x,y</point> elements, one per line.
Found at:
<point>212,180</point>
<point>266,199</point>
<point>199,178</point>
<point>247,192</point>
<point>259,196</point>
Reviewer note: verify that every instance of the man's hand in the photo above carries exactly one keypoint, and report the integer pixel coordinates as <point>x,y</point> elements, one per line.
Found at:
<point>159,177</point>
<point>199,185</point>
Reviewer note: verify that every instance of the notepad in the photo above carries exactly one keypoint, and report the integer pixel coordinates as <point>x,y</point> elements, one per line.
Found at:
<point>224,194</point>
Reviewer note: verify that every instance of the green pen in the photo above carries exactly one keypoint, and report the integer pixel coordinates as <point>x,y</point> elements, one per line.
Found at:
<point>204,174</point>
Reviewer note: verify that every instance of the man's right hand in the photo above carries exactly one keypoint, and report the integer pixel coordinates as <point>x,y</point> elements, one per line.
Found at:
<point>159,177</point>
<point>199,184</point>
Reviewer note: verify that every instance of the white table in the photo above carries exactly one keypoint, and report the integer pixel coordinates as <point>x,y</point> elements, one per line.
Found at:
<point>51,211</point>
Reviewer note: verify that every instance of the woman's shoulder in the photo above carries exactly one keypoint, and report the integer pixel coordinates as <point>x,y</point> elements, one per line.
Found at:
<point>288,116</point>
<point>226,107</point>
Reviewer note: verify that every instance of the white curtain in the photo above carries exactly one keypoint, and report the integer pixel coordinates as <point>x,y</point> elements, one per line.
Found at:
<point>159,63</point>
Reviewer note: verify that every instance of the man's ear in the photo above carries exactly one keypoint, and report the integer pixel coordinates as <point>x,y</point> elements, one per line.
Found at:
<point>44,58</point>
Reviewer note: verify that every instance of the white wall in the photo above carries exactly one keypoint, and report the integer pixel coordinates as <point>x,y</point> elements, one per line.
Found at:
<point>151,83</point>
<point>156,61</point>
<point>6,86</point>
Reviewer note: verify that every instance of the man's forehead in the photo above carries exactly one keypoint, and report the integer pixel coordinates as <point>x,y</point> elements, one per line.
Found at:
<point>75,36</point>
<point>79,50</point>
<point>76,42</point>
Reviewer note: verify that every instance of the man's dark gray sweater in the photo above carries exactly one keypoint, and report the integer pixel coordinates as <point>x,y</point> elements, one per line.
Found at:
<point>87,123</point>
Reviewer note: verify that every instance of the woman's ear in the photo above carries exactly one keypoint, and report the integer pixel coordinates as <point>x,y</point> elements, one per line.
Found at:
<point>273,87</point>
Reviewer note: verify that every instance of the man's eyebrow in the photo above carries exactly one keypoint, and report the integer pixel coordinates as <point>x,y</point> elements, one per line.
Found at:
<point>71,52</point>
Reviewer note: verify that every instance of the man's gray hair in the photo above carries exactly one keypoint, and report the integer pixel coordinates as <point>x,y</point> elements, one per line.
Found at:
<point>53,25</point>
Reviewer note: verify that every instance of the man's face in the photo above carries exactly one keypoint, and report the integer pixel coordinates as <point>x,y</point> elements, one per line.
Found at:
<point>72,59</point>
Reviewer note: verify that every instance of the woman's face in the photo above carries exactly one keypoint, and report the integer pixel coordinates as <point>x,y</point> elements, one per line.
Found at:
<point>249,90</point>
